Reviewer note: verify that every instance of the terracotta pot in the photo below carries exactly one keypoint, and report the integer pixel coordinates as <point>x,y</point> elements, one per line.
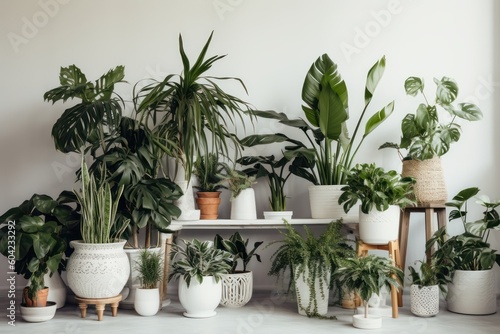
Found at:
<point>208,203</point>
<point>41,300</point>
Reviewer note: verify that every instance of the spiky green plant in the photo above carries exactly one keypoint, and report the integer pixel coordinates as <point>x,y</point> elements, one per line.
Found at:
<point>208,169</point>
<point>150,268</point>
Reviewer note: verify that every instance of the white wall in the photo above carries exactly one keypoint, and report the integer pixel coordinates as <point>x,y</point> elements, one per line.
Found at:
<point>270,46</point>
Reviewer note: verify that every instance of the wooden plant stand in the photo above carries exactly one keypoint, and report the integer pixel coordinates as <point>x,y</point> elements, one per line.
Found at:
<point>100,304</point>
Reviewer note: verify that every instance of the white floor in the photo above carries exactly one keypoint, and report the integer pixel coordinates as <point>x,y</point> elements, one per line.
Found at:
<point>264,314</point>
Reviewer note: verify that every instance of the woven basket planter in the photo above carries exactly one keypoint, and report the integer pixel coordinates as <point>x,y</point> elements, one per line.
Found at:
<point>430,187</point>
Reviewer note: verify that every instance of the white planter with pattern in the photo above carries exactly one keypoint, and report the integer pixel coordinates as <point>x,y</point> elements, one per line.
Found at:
<point>424,300</point>
<point>237,289</point>
<point>472,292</point>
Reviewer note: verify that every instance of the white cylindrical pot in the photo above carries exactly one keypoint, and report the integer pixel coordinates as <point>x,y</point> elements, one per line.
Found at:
<point>378,228</point>
<point>97,270</point>
<point>304,291</point>
<point>324,202</point>
<point>472,292</point>
<point>200,300</point>
<point>147,301</point>
<point>57,289</point>
<point>237,289</point>
<point>424,300</point>
<point>243,206</point>
<point>370,322</point>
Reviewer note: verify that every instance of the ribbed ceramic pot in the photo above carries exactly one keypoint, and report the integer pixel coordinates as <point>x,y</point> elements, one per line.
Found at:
<point>97,270</point>
<point>324,202</point>
<point>472,292</point>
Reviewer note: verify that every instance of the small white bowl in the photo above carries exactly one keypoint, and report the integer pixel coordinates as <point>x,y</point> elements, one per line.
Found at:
<point>38,314</point>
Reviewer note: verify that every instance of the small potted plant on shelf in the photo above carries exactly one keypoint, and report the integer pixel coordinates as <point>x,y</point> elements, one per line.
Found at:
<point>468,258</point>
<point>199,266</point>
<point>242,194</point>
<point>150,272</point>
<point>426,137</point>
<point>381,195</point>
<point>237,285</point>
<point>365,276</point>
<point>208,169</point>
<point>311,261</point>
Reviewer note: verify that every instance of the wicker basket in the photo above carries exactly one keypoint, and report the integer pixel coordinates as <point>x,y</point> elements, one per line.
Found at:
<point>430,187</point>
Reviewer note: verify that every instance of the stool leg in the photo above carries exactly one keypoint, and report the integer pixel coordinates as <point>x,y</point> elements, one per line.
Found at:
<point>441,216</point>
<point>396,260</point>
<point>394,302</point>
<point>83,309</point>
<point>403,235</point>
<point>429,212</point>
<point>100,310</point>
<point>114,309</point>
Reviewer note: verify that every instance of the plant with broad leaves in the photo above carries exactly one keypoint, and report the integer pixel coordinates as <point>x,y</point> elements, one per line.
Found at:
<point>238,248</point>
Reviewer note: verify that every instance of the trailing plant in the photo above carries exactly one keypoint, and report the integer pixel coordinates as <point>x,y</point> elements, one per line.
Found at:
<point>376,188</point>
<point>150,268</point>
<point>424,135</point>
<point>319,256</point>
<point>430,273</point>
<point>238,249</point>
<point>197,259</point>
<point>208,169</point>
<point>237,181</point>
<point>367,275</point>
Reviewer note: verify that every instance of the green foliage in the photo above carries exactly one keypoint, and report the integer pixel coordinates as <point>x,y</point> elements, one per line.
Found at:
<point>376,189</point>
<point>367,275</point>
<point>208,169</point>
<point>150,268</point>
<point>423,134</point>
<point>320,256</point>
<point>430,273</point>
<point>238,249</point>
<point>197,259</point>
<point>237,181</point>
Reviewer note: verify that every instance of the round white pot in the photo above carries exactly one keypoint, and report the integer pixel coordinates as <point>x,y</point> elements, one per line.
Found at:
<point>243,206</point>
<point>424,301</point>
<point>378,228</point>
<point>472,292</point>
<point>97,270</point>
<point>324,202</point>
<point>147,301</point>
<point>200,300</point>
<point>278,215</point>
<point>304,291</point>
<point>57,289</point>
<point>38,314</point>
<point>371,322</point>
<point>237,289</point>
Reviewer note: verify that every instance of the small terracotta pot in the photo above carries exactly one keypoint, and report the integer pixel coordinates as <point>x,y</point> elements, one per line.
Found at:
<point>41,300</point>
<point>208,203</point>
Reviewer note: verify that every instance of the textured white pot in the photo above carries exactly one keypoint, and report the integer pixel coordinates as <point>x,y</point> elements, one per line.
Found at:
<point>243,206</point>
<point>303,292</point>
<point>371,322</point>
<point>97,270</point>
<point>147,301</point>
<point>378,228</point>
<point>472,292</point>
<point>278,215</point>
<point>324,202</point>
<point>237,289</point>
<point>424,301</point>
<point>38,314</point>
<point>57,289</point>
<point>200,300</point>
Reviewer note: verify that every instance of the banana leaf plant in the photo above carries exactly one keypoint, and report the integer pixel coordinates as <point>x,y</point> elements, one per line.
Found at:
<point>329,151</point>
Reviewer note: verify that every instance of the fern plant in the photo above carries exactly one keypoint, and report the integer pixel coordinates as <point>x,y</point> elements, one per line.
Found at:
<point>320,256</point>
<point>150,268</point>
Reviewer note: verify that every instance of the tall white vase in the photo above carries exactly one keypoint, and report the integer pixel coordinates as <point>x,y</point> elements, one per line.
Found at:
<point>304,291</point>
<point>186,202</point>
<point>243,206</point>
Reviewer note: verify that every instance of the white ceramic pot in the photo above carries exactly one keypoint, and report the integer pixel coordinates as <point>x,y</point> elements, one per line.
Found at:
<point>371,322</point>
<point>57,289</point>
<point>278,215</point>
<point>237,289</point>
<point>378,228</point>
<point>186,202</point>
<point>472,292</point>
<point>38,314</point>
<point>303,292</point>
<point>324,202</point>
<point>200,300</point>
<point>424,300</point>
<point>147,301</point>
<point>243,206</point>
<point>97,270</point>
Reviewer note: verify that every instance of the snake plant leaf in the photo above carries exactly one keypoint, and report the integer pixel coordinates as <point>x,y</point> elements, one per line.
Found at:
<point>413,85</point>
<point>378,118</point>
<point>373,78</point>
<point>446,91</point>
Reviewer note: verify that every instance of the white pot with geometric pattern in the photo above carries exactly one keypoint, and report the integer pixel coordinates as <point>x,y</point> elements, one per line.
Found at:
<point>237,289</point>
<point>424,300</point>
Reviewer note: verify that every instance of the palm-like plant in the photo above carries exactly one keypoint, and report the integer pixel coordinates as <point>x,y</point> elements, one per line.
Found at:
<point>150,268</point>
<point>191,111</point>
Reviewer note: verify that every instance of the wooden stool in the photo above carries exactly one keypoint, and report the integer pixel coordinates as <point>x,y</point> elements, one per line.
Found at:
<point>404,224</point>
<point>393,248</point>
<point>99,303</point>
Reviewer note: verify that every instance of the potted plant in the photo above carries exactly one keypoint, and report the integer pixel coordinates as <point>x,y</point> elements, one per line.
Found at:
<point>199,266</point>
<point>191,112</point>
<point>381,195</point>
<point>310,260</point>
<point>426,283</point>
<point>150,272</point>
<point>208,169</point>
<point>427,137</point>
<point>365,276</point>
<point>91,272</point>
<point>237,285</point>
<point>242,194</point>
<point>468,258</point>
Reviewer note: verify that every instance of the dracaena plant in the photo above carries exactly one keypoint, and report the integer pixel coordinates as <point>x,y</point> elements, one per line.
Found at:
<point>238,248</point>
<point>426,134</point>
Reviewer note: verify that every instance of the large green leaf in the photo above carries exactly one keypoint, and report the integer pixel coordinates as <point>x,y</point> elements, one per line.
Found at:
<point>373,78</point>
<point>446,91</point>
<point>413,85</point>
<point>331,114</point>
<point>468,111</point>
<point>378,118</point>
